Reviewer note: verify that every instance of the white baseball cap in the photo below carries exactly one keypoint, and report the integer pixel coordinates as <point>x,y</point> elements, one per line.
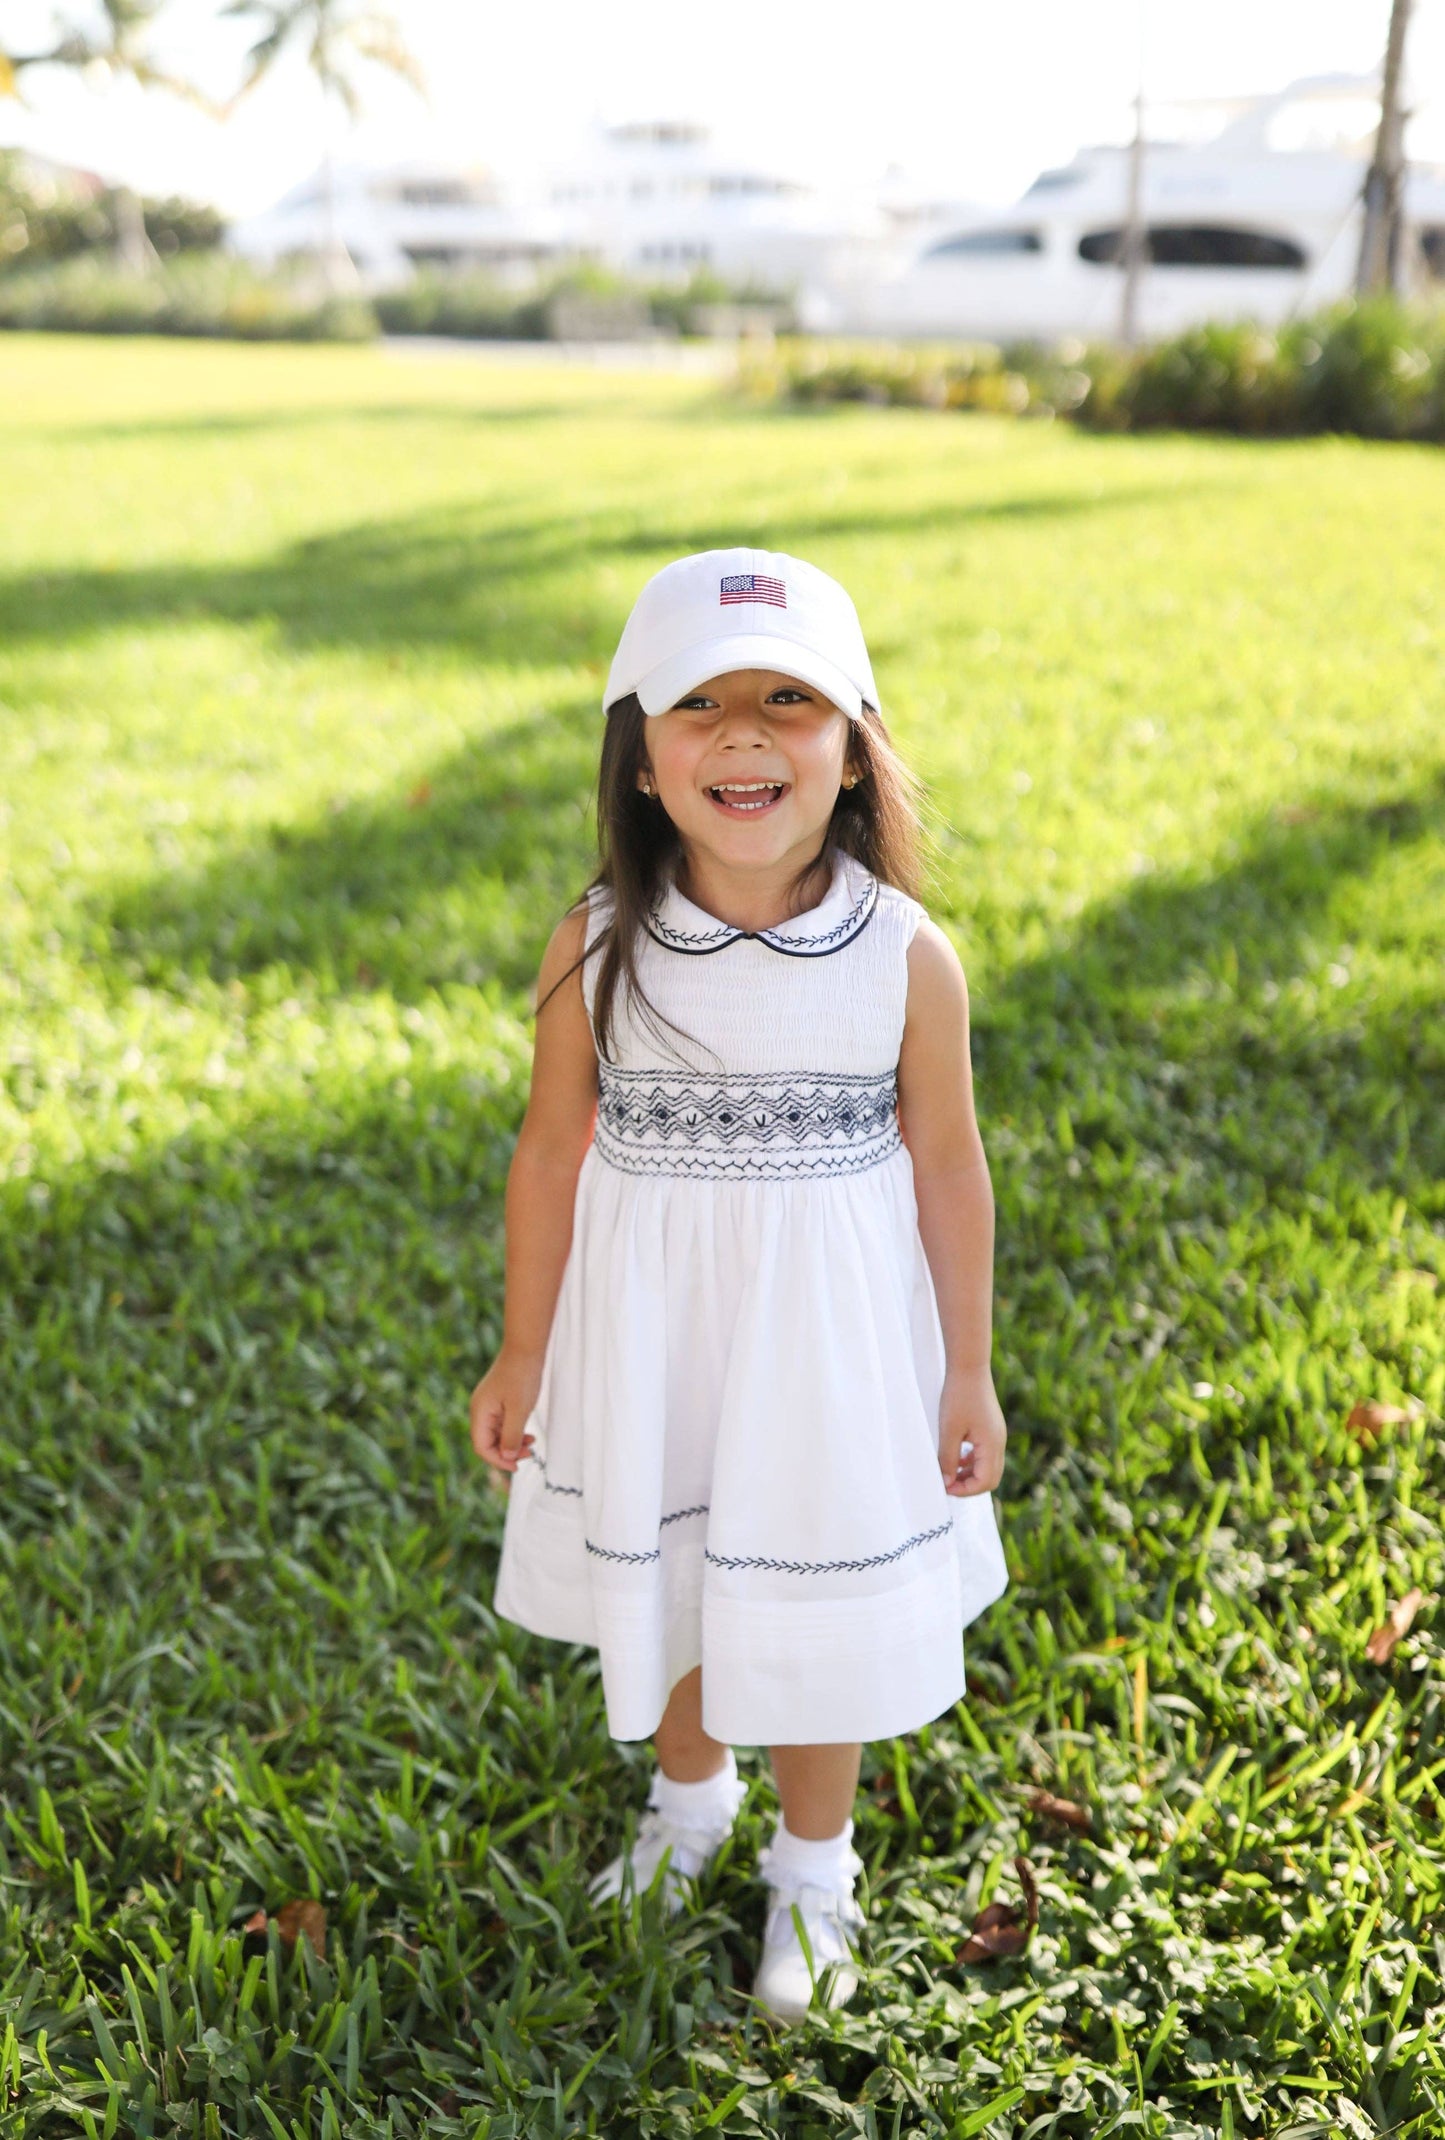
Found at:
<point>721,610</point>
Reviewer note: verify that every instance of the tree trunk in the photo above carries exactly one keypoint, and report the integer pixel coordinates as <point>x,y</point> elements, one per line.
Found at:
<point>1382,241</point>
<point>1133,243</point>
<point>337,266</point>
<point>133,248</point>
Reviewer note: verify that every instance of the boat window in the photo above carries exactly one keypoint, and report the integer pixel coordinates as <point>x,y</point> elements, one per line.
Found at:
<point>436,193</point>
<point>1207,245</point>
<point>987,241</point>
<point>1051,181</point>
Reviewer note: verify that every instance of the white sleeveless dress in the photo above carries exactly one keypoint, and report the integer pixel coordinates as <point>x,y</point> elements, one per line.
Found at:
<point>735,1460</point>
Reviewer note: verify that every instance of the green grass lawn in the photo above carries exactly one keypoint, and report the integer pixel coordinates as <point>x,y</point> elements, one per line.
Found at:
<point>300,653</point>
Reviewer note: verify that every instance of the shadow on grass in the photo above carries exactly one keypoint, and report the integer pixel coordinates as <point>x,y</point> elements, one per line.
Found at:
<point>240,1506</point>
<point>1186,1026</point>
<point>463,881</point>
<point>529,591</point>
<point>243,423</point>
<point>1216,1070</point>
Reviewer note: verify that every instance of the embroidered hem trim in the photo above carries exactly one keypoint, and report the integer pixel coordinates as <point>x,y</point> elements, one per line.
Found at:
<point>776,1567</point>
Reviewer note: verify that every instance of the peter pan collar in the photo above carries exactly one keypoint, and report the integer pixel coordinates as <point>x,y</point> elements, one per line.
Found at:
<point>846,908</point>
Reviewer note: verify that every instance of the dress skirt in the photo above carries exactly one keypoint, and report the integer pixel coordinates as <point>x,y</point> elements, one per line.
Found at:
<point>736,1464</point>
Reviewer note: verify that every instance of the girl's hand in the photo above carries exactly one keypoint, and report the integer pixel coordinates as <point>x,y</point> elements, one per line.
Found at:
<point>502,1403</point>
<point>969,1413</point>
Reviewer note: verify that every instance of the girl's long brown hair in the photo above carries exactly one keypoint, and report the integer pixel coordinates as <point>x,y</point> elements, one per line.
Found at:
<point>877,822</point>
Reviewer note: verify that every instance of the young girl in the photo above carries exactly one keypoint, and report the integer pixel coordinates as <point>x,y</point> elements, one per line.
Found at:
<point>746,1342</point>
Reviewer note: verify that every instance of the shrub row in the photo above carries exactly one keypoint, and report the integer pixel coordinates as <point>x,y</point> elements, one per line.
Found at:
<point>43,219</point>
<point>217,294</point>
<point>1374,367</point>
<point>202,294</point>
<point>478,309</point>
<point>978,375</point>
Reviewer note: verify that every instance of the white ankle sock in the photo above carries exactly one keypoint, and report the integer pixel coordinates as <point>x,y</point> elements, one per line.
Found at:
<point>710,1803</point>
<point>822,1860</point>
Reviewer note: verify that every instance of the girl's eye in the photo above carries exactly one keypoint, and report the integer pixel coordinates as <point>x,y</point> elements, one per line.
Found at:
<point>701,703</point>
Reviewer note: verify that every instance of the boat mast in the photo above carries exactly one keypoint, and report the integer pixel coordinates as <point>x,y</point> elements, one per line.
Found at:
<point>1132,249</point>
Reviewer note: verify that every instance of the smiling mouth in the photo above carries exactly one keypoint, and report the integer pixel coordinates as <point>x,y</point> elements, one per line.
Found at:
<point>747,798</point>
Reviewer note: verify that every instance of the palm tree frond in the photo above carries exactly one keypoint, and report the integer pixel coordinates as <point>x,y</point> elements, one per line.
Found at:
<point>379,39</point>
<point>333,33</point>
<point>339,83</point>
<point>152,77</point>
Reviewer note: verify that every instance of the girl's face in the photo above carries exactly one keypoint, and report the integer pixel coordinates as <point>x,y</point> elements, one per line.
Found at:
<point>749,765</point>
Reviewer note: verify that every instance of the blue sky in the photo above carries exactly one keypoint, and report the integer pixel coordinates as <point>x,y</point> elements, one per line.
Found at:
<point>974,99</point>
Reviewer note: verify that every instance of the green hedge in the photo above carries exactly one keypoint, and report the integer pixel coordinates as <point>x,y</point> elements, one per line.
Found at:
<point>201,294</point>
<point>977,375</point>
<point>217,294</point>
<point>42,220</point>
<point>1376,368</point>
<point>472,306</point>
<point>476,308</point>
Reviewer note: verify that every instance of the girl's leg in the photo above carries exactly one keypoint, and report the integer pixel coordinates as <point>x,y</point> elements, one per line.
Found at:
<point>810,1866</point>
<point>816,1788</point>
<point>685,1753</point>
<point>695,1788</point>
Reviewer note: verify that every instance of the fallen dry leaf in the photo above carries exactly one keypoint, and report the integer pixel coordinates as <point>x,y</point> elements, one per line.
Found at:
<point>996,1929</point>
<point>294,1918</point>
<point>1066,1810</point>
<point>1368,1419</point>
<point>256,1922</point>
<point>419,796</point>
<point>1380,1647</point>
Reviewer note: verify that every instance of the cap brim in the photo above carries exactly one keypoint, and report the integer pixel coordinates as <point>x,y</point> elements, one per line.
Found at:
<point>681,673</point>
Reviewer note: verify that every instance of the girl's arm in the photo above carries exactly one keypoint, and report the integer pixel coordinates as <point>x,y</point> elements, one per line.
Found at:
<point>955,1206</point>
<point>541,1190</point>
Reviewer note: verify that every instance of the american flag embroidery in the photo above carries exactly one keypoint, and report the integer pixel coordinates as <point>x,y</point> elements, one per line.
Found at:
<point>754,587</point>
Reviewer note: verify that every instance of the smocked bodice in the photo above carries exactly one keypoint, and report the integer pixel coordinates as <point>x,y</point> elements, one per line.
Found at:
<point>786,1065</point>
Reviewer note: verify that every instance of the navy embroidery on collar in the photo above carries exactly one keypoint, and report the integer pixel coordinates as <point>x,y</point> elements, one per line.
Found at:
<point>785,936</point>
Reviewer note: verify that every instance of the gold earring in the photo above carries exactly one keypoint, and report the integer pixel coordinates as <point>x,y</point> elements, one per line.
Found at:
<point>851,783</point>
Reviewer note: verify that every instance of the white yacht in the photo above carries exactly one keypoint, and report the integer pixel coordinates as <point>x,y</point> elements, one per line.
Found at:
<point>657,200</point>
<point>1260,221</point>
<point>411,216</point>
<point>661,199</point>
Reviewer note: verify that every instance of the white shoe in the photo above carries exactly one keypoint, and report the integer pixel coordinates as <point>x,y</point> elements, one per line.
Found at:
<point>691,1850</point>
<point>786,1977</point>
